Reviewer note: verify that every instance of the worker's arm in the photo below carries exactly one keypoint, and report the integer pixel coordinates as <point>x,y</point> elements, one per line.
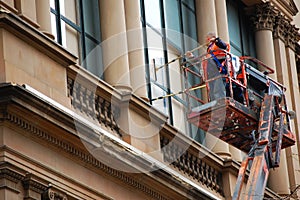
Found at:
<point>220,43</point>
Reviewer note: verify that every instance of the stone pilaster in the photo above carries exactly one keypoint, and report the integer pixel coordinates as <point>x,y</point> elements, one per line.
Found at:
<point>27,11</point>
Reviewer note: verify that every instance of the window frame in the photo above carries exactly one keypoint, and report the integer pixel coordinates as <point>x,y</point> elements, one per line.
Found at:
<point>82,34</point>
<point>165,43</point>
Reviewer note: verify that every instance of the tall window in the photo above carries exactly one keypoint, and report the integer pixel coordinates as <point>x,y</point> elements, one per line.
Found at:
<point>170,30</point>
<point>240,32</point>
<point>76,25</point>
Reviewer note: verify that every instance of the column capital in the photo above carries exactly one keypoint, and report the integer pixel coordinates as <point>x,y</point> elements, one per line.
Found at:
<point>292,36</point>
<point>264,17</point>
<point>280,26</point>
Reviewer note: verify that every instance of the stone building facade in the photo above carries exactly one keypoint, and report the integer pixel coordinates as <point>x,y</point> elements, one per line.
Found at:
<point>78,115</point>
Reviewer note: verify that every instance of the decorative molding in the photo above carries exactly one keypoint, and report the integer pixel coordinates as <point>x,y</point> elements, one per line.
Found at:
<point>10,175</point>
<point>30,184</point>
<point>83,156</point>
<point>280,27</point>
<point>52,194</point>
<point>264,17</point>
<point>288,6</point>
<point>10,179</point>
<point>292,36</point>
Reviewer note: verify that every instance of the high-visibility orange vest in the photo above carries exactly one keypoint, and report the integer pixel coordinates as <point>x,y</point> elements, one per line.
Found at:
<point>217,51</point>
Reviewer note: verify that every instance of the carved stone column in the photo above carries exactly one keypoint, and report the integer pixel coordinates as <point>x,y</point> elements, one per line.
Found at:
<point>264,20</point>
<point>43,17</point>
<point>222,24</point>
<point>114,43</point>
<point>267,22</point>
<point>27,11</point>
<point>206,19</point>
<point>207,22</point>
<point>135,48</point>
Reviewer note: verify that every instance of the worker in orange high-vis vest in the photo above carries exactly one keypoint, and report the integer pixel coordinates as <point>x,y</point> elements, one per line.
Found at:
<point>216,50</point>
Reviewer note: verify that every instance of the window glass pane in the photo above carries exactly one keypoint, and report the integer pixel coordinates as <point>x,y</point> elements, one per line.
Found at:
<point>81,39</point>
<point>180,23</point>
<point>52,4</point>
<point>93,61</point>
<point>64,34</point>
<point>69,10</point>
<point>240,33</point>
<point>158,79</point>
<point>92,18</point>
<point>189,28</point>
<point>248,38</point>
<point>234,26</point>
<point>172,22</point>
<point>190,4</point>
<point>54,26</point>
<point>152,11</point>
<point>70,38</point>
<point>155,52</point>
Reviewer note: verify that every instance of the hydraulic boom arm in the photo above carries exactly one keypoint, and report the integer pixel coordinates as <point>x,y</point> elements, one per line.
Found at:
<point>260,156</point>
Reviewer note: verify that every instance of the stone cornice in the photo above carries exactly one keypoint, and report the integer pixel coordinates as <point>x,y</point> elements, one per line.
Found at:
<point>287,7</point>
<point>264,17</point>
<point>14,109</point>
<point>10,175</point>
<point>85,157</point>
<point>31,182</point>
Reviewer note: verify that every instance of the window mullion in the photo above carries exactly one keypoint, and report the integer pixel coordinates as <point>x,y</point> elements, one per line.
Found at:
<point>82,35</point>
<point>146,52</point>
<point>58,22</point>
<point>166,60</point>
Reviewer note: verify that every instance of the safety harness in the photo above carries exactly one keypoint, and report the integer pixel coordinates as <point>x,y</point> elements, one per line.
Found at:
<point>221,67</point>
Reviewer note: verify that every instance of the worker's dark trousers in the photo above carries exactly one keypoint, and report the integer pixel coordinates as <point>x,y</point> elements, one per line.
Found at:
<point>217,87</point>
